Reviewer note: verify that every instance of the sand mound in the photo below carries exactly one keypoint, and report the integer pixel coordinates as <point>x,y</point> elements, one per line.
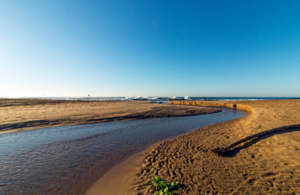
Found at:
<point>31,114</point>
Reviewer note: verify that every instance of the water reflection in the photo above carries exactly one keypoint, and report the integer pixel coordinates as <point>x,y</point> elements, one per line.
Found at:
<point>69,159</point>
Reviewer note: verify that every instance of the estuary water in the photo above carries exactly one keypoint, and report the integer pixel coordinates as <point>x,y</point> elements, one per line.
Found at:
<point>69,159</point>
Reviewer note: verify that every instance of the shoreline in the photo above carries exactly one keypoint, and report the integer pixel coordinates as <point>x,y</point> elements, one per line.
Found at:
<point>20,115</point>
<point>141,173</point>
<point>117,179</point>
<point>109,184</point>
<point>79,169</point>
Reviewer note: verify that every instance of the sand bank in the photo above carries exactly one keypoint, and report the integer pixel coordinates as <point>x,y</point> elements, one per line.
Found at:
<point>16,115</point>
<point>266,165</point>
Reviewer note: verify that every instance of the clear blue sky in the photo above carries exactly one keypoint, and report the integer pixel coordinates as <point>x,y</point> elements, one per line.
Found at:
<point>149,48</point>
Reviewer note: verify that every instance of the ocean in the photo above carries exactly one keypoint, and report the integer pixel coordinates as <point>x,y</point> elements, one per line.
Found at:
<point>162,99</point>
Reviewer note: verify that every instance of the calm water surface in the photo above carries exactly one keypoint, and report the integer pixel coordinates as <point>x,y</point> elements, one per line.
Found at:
<point>69,159</point>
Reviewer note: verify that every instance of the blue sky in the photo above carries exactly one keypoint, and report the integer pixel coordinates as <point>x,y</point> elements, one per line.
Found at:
<point>149,48</point>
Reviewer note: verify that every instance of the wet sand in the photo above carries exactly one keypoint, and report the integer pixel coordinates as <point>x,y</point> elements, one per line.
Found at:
<point>269,164</point>
<point>26,114</point>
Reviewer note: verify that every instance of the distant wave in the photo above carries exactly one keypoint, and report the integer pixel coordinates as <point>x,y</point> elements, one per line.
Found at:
<point>155,99</point>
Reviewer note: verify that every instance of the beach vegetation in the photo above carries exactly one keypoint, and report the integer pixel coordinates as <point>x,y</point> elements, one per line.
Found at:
<point>163,188</point>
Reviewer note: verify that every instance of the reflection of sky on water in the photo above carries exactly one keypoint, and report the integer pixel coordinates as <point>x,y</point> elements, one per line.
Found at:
<point>70,158</point>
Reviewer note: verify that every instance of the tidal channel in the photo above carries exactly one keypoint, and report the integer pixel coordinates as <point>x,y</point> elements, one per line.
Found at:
<point>69,159</point>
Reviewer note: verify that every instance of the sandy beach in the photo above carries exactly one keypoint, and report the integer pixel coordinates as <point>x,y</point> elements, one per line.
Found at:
<point>70,159</point>
<point>149,97</point>
<point>268,164</point>
<point>26,114</point>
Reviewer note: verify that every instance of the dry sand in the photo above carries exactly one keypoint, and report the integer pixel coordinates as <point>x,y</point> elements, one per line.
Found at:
<point>266,165</point>
<point>18,114</point>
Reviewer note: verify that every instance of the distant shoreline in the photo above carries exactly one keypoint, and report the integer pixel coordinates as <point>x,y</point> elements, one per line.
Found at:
<point>151,99</point>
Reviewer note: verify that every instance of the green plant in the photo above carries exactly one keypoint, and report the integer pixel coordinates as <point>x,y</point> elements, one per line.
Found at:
<point>163,187</point>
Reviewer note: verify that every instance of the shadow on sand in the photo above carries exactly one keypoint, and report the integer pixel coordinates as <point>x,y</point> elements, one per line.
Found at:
<point>235,151</point>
